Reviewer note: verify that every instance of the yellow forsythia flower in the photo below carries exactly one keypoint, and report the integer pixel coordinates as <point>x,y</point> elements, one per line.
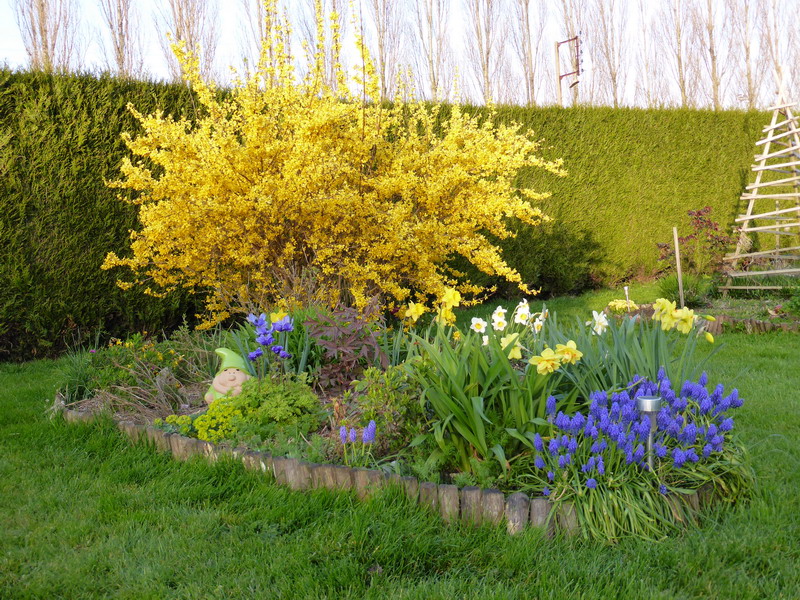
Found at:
<point>285,191</point>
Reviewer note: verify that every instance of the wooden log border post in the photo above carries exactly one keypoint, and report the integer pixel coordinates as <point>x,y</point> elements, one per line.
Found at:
<point>470,505</point>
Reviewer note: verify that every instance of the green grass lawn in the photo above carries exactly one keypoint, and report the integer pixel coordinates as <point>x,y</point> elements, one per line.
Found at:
<point>85,515</point>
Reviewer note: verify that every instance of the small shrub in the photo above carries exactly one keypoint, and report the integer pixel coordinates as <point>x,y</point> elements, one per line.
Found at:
<point>263,409</point>
<point>391,399</point>
<point>697,289</point>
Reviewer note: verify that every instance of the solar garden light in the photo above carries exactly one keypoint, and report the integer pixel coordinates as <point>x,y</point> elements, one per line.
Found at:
<point>649,405</point>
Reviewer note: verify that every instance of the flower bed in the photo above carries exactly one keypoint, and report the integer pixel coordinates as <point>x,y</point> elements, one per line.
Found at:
<point>539,411</point>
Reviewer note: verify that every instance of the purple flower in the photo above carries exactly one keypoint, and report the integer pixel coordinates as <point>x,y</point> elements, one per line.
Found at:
<point>563,460</point>
<point>591,483</point>
<point>572,446</point>
<point>661,451</point>
<point>562,420</point>
<point>353,435</point>
<point>734,399</point>
<point>662,489</point>
<point>599,446</point>
<point>662,374</point>
<point>601,467</point>
<point>578,421</point>
<point>537,442</point>
<point>255,354</point>
<point>265,339</point>
<point>277,349</point>
<point>689,434</point>
<point>284,324</point>
<point>368,435</point>
<point>726,425</point>
<point>258,321</point>
<point>343,434</point>
<point>546,491</point>
<point>678,457</point>
<point>538,462</point>
<point>284,354</point>
<point>638,454</point>
<point>550,405</point>
<point>712,431</point>
<point>550,476</point>
<point>707,449</point>
<point>703,379</point>
<point>554,446</point>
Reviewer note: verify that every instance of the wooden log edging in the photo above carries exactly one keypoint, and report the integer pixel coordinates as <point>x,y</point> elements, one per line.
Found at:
<point>471,505</point>
<point>724,323</point>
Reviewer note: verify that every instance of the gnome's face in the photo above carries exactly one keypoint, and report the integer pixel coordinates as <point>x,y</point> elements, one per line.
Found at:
<point>229,380</point>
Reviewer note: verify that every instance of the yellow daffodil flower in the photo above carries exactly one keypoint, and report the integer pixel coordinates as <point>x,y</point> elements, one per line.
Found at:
<point>709,338</point>
<point>513,341</point>
<point>415,311</point>
<point>662,307</point>
<point>568,352</point>
<point>451,298</point>
<point>547,362</point>
<point>684,320</point>
<point>446,316</point>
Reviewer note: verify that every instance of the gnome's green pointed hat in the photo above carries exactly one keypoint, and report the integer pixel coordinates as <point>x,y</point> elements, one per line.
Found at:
<point>230,360</point>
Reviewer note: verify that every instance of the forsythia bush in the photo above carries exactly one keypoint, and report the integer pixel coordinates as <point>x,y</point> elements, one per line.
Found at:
<point>286,187</point>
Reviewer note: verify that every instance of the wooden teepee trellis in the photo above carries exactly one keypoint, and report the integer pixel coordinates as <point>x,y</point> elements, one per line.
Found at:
<point>773,205</point>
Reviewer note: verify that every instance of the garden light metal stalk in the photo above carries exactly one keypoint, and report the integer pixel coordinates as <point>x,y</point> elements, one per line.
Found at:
<point>649,405</point>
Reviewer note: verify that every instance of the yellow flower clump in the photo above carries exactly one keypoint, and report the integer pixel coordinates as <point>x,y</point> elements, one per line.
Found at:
<point>280,183</point>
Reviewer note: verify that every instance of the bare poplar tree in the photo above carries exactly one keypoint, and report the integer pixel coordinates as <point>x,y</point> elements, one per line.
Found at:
<point>388,28</point>
<point>50,33</point>
<point>708,26</point>
<point>573,16</point>
<point>651,88</point>
<point>527,29</point>
<point>610,21</point>
<point>484,33</point>
<point>779,38</point>
<point>752,66</point>
<point>193,22</point>
<point>678,41</point>
<point>126,55</point>
<point>434,62</point>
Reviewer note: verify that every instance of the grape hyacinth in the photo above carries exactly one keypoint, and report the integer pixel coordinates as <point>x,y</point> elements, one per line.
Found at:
<point>265,337</point>
<point>585,448</point>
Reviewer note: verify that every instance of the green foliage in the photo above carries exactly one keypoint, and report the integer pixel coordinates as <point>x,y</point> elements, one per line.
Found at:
<point>702,249</point>
<point>182,424</point>
<point>634,173</point>
<point>59,142</point>
<point>697,289</point>
<point>792,304</point>
<point>264,408</point>
<point>391,399</point>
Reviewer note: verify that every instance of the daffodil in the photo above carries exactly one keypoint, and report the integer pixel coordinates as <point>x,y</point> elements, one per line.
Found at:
<point>709,337</point>
<point>451,298</point>
<point>669,320</point>
<point>599,322</point>
<point>662,307</point>
<point>684,320</point>
<point>485,340</point>
<point>415,311</point>
<point>537,324</point>
<point>547,362</point>
<point>522,314</point>
<point>499,323</point>
<point>499,313</point>
<point>512,340</point>
<point>478,325</point>
<point>456,335</point>
<point>277,315</point>
<point>568,352</point>
<point>446,316</point>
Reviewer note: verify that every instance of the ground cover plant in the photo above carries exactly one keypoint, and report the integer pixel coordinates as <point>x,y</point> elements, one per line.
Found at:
<point>239,535</point>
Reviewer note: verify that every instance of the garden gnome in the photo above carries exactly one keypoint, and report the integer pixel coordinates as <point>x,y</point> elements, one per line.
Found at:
<point>230,377</point>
